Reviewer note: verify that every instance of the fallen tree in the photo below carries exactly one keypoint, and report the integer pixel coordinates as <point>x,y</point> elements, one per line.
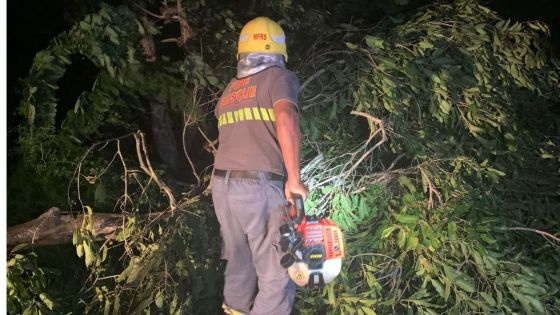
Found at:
<point>54,227</point>
<point>449,111</point>
<point>426,138</point>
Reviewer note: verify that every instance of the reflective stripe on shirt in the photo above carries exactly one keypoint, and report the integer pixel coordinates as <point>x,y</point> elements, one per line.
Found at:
<point>245,114</point>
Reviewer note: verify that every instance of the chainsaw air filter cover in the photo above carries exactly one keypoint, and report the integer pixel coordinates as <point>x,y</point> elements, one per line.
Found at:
<point>303,276</point>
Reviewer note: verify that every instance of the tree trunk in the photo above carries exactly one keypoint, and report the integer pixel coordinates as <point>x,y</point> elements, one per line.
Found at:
<point>55,228</point>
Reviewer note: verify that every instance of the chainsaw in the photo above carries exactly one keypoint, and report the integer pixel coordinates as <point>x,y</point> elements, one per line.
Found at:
<point>314,247</point>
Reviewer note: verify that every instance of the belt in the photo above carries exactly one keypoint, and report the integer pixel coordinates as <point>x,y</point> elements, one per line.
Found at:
<point>248,174</point>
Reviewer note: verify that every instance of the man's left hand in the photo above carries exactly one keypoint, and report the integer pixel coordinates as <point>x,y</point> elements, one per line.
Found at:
<point>295,187</point>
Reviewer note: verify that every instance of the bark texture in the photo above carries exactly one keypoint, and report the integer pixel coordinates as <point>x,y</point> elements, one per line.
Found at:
<point>54,227</point>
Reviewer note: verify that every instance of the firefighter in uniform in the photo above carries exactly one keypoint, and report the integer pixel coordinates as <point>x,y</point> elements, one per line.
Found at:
<point>256,170</point>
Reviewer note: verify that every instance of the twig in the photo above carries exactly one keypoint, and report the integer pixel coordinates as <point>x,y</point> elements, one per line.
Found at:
<point>375,254</point>
<point>210,143</point>
<point>311,78</point>
<point>347,172</point>
<point>146,166</point>
<point>431,189</point>
<point>543,233</point>
<point>125,170</point>
<point>187,123</point>
<point>148,12</point>
<point>372,134</point>
<point>375,120</point>
<point>395,162</point>
<point>186,31</point>
<point>395,265</point>
<point>77,170</point>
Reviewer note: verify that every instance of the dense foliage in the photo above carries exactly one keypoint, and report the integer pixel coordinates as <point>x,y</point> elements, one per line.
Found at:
<point>431,138</point>
<point>465,104</point>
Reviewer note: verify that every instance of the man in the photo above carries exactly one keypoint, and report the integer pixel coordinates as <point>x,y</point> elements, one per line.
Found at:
<point>257,170</point>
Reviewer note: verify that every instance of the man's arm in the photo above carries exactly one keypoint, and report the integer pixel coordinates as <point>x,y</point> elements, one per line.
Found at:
<point>289,137</point>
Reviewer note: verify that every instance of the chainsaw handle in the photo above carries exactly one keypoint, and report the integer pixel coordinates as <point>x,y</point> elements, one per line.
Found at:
<point>298,204</point>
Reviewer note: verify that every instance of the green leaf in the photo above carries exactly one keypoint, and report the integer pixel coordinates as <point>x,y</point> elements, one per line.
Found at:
<point>11,263</point>
<point>159,299</point>
<point>31,114</point>
<point>104,251</point>
<point>113,36</point>
<point>134,273</point>
<point>141,29</point>
<point>142,305</point>
<point>439,288</point>
<point>89,255</point>
<point>473,47</point>
<point>405,181</point>
<point>117,305</point>
<point>424,44</point>
<point>76,237</point>
<point>111,70</point>
<point>538,305</point>
<point>447,290</point>
<point>84,26</point>
<point>213,80</point>
<point>452,231</point>
<point>29,310</point>
<point>408,198</point>
<point>107,308</point>
<point>465,285</point>
<point>345,202</point>
<point>406,219</point>
<point>412,242</point>
<point>425,182</point>
<point>386,232</point>
<point>368,302</point>
<point>348,309</point>
<point>444,106</point>
<point>496,171</point>
<point>47,300</point>
<point>487,238</point>
<point>80,250</point>
<point>419,294</point>
<point>488,298</point>
<point>374,41</point>
<point>401,238</point>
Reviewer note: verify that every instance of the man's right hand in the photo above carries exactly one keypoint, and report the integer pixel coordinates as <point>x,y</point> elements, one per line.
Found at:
<point>295,187</point>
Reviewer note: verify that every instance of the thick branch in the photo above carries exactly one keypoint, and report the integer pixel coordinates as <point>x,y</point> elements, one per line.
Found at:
<point>146,166</point>
<point>54,228</point>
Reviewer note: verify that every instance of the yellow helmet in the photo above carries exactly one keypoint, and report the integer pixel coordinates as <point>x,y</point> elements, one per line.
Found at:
<point>262,35</point>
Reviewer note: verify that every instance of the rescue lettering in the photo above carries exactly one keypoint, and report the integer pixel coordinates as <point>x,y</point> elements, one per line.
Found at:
<point>259,36</point>
<point>240,83</point>
<point>239,95</point>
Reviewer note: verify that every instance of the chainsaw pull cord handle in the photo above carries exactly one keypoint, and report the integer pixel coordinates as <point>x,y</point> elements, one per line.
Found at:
<point>298,204</point>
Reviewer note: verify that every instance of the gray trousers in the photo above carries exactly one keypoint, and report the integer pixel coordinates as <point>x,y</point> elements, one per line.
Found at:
<point>250,212</point>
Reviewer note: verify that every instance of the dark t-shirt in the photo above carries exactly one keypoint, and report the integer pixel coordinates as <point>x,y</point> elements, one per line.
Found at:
<point>246,121</point>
